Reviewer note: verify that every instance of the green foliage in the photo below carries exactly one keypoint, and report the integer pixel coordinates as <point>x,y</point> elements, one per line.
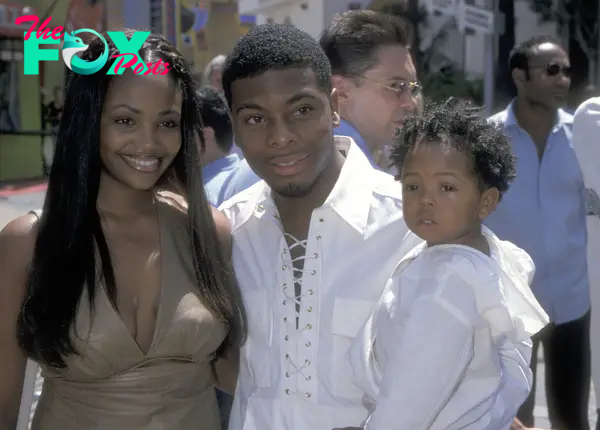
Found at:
<point>416,15</point>
<point>450,81</point>
<point>439,83</point>
<point>545,9</point>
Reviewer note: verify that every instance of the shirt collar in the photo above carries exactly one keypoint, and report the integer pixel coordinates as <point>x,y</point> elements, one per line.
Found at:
<point>350,197</point>
<point>347,129</point>
<point>510,120</point>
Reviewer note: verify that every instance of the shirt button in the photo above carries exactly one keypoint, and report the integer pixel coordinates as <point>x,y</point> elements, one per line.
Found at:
<point>307,344</point>
<point>287,391</point>
<point>287,374</point>
<point>321,220</point>
<point>307,395</point>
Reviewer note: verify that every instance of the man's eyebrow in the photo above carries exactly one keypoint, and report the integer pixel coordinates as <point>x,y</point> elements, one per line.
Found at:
<point>401,78</point>
<point>300,96</point>
<point>248,105</point>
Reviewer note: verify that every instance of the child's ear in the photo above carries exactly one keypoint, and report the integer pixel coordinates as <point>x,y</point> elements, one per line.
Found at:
<point>488,202</point>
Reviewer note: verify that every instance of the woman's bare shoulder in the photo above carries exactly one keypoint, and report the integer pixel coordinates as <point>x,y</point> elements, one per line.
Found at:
<point>180,204</point>
<point>17,242</point>
<point>17,238</point>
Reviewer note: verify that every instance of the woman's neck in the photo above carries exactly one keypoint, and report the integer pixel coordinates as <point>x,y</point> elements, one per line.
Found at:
<point>118,199</point>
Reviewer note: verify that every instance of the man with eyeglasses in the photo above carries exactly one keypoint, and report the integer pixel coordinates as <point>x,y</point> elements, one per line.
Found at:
<point>374,75</point>
<point>544,213</point>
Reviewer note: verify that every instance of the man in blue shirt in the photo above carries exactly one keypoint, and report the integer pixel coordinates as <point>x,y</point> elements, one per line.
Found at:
<point>224,173</point>
<point>544,213</point>
<point>374,76</point>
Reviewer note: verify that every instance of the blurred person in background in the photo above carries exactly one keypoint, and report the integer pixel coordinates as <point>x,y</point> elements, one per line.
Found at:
<point>586,129</point>
<point>214,71</point>
<point>374,76</point>
<point>244,176</point>
<point>544,213</point>
<point>201,17</point>
<point>55,108</point>
<point>44,107</point>
<point>220,163</point>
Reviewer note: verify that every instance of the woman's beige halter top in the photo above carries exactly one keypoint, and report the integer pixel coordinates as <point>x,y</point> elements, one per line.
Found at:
<point>113,385</point>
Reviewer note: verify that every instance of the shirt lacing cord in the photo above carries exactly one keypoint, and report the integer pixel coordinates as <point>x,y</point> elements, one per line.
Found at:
<point>291,297</point>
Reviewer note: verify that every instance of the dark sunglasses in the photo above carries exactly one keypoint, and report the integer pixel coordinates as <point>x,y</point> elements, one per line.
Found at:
<point>555,69</point>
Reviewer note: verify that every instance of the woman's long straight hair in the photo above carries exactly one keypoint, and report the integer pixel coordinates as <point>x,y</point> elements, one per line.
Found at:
<point>70,232</point>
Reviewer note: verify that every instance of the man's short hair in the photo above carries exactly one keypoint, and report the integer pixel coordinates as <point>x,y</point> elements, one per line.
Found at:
<point>519,56</point>
<point>215,64</point>
<point>275,47</point>
<point>352,39</point>
<point>215,115</point>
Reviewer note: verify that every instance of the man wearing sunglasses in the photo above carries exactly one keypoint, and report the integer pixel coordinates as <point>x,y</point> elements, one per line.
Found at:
<point>374,76</point>
<point>544,213</point>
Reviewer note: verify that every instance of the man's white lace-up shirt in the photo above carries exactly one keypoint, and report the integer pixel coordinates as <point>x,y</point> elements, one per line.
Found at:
<point>294,369</point>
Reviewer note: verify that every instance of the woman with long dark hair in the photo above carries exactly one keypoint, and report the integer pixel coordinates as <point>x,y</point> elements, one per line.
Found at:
<point>123,295</point>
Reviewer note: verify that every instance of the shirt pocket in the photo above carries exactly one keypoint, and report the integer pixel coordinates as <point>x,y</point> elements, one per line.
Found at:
<point>257,345</point>
<point>349,317</point>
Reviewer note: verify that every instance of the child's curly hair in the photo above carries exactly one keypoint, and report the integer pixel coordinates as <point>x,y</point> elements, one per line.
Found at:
<point>459,125</point>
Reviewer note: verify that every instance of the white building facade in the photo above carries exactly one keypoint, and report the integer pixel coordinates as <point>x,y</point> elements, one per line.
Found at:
<point>466,51</point>
<point>311,16</point>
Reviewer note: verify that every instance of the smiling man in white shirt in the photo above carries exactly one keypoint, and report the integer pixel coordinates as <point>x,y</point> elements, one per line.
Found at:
<point>313,242</point>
